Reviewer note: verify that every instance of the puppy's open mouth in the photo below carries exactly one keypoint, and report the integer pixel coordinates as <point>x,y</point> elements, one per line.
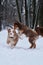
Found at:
<point>11,37</point>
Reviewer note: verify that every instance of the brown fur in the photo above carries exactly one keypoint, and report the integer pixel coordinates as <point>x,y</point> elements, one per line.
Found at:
<point>32,35</point>
<point>12,41</point>
<point>39,30</point>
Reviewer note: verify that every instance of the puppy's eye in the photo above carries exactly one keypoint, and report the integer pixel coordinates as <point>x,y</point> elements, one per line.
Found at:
<point>9,30</point>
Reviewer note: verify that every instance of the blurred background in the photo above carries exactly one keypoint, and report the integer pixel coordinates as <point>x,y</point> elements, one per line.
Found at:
<point>29,12</point>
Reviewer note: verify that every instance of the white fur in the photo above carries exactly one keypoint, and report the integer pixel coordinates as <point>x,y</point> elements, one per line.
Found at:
<point>11,34</point>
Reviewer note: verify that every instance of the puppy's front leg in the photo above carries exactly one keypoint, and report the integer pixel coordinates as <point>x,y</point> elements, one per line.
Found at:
<point>11,45</point>
<point>8,41</point>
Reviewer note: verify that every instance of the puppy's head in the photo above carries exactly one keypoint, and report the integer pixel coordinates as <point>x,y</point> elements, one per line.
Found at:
<point>10,32</point>
<point>18,27</point>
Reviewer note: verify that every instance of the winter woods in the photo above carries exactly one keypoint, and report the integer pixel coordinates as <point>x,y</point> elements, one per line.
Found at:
<point>29,12</point>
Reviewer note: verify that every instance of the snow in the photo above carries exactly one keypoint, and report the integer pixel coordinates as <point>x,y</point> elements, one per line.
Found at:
<point>20,54</point>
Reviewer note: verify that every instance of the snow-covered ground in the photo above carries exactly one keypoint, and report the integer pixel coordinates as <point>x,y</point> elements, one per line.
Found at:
<point>21,54</point>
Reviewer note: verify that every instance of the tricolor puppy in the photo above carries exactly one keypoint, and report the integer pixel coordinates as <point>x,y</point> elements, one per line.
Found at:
<point>12,38</point>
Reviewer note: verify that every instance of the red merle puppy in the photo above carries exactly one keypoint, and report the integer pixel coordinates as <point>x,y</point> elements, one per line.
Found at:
<point>23,29</point>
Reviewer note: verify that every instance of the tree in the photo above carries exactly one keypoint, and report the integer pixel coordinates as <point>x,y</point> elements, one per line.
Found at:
<point>19,13</point>
<point>34,14</point>
<point>21,6</point>
<point>41,13</point>
<point>0,14</point>
<point>37,16</point>
<point>26,12</point>
<point>31,13</point>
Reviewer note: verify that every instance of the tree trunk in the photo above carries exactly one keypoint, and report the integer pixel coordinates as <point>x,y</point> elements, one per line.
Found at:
<point>18,10</point>
<point>21,6</point>
<point>41,13</point>
<point>34,8</point>
<point>26,13</point>
<point>0,15</point>
<point>37,16</point>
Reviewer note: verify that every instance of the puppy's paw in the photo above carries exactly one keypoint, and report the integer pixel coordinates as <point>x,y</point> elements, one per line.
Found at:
<point>11,46</point>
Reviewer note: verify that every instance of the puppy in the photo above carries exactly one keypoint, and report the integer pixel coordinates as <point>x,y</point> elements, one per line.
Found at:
<point>12,38</point>
<point>39,30</point>
<point>23,29</point>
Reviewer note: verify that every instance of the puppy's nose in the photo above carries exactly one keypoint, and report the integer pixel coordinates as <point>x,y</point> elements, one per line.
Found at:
<point>10,33</point>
